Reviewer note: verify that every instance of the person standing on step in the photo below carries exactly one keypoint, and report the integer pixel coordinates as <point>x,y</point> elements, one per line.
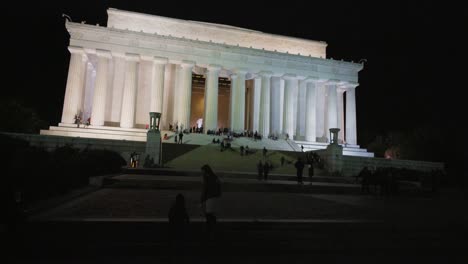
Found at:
<point>299,167</point>
<point>181,135</point>
<point>266,169</point>
<point>311,170</point>
<point>260,170</point>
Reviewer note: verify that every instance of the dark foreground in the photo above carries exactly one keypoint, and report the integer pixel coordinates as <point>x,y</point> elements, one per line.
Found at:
<point>238,242</point>
<point>126,222</point>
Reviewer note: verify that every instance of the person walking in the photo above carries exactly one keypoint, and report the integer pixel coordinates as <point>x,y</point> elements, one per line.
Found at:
<point>311,170</point>
<point>266,169</point>
<point>299,167</point>
<point>181,135</point>
<point>210,194</point>
<point>260,170</point>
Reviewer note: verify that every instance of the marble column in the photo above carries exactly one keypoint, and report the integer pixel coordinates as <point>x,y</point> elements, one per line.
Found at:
<point>351,131</point>
<point>321,97</point>
<point>332,106</point>
<point>233,102</point>
<point>127,116</point>
<point>239,113</point>
<point>185,88</point>
<point>72,103</point>
<point>100,88</point>
<point>311,110</point>
<point>211,98</point>
<point>264,120</point>
<point>290,84</point>
<point>177,94</point>
<point>256,103</point>
<point>157,85</point>
<point>340,114</point>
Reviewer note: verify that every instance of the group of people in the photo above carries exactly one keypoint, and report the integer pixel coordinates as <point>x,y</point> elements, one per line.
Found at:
<point>78,121</point>
<point>134,159</point>
<point>178,138</point>
<point>245,151</point>
<point>263,169</point>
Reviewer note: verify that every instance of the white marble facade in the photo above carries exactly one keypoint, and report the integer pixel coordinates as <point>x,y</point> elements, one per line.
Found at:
<point>141,63</point>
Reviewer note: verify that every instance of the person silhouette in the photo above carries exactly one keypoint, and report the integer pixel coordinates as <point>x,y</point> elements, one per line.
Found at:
<point>181,135</point>
<point>178,225</point>
<point>266,170</point>
<point>311,170</point>
<point>300,167</point>
<point>210,194</point>
<point>260,170</point>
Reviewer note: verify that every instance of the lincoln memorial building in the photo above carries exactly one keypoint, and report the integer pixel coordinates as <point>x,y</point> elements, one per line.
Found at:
<point>206,75</point>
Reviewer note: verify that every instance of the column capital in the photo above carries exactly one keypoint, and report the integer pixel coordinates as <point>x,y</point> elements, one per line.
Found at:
<point>160,60</point>
<point>117,54</point>
<point>333,81</point>
<point>289,76</point>
<point>146,58</point>
<point>132,57</point>
<point>265,73</point>
<point>340,90</point>
<point>213,68</point>
<point>155,59</point>
<point>187,64</point>
<point>76,49</point>
<point>240,71</point>
<point>310,79</point>
<point>349,85</point>
<point>103,53</point>
<point>234,76</point>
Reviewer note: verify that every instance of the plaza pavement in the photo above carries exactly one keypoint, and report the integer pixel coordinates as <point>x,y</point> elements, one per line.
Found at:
<point>129,225</point>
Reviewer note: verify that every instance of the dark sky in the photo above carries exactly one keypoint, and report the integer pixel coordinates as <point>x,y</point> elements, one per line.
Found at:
<point>397,86</point>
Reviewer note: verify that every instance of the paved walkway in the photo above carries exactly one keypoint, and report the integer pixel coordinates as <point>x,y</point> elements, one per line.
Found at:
<point>154,204</point>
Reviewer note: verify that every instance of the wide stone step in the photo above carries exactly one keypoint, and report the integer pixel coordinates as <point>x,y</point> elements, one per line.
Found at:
<point>228,185</point>
<point>87,134</point>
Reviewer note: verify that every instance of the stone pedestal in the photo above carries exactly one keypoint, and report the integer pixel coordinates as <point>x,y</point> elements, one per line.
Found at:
<point>152,156</point>
<point>334,154</point>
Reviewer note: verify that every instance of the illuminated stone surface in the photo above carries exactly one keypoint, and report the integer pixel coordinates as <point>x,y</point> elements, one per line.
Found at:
<point>275,85</point>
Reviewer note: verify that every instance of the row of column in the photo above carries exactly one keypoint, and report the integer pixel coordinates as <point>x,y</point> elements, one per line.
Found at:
<point>183,89</point>
<point>75,84</point>
<point>335,112</point>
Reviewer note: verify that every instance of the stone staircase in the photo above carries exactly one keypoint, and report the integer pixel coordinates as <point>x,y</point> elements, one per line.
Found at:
<point>348,150</point>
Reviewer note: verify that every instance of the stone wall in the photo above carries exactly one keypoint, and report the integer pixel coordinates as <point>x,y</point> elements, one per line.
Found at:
<point>352,165</point>
<point>123,147</point>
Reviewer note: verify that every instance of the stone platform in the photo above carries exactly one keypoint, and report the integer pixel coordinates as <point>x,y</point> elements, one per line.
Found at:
<point>138,134</point>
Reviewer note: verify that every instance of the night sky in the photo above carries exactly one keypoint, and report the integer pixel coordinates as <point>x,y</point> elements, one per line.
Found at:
<point>398,88</point>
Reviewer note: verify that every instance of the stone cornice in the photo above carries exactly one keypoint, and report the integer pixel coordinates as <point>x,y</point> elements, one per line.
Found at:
<point>249,58</point>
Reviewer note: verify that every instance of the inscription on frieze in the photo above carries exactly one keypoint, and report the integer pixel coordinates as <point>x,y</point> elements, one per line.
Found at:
<point>104,38</point>
<point>134,43</point>
<point>76,35</point>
